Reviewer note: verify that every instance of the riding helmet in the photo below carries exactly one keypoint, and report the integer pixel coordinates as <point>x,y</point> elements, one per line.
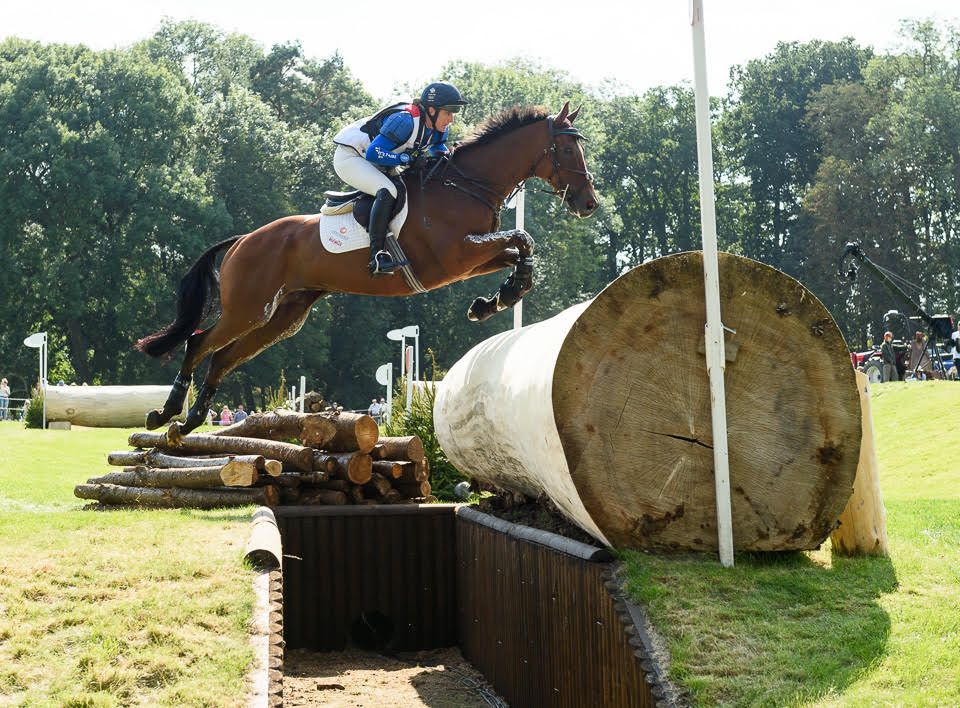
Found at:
<point>443,95</point>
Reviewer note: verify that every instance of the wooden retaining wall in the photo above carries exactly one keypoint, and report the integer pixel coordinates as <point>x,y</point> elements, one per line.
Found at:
<point>348,567</point>
<point>536,613</point>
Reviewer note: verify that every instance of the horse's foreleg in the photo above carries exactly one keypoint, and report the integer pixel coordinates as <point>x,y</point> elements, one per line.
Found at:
<point>514,287</point>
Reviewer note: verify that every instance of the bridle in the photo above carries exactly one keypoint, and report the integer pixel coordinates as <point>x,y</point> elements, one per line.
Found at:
<point>489,196</point>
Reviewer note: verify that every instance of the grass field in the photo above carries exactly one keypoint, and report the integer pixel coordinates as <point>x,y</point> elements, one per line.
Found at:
<point>153,608</point>
<point>113,608</point>
<point>817,629</point>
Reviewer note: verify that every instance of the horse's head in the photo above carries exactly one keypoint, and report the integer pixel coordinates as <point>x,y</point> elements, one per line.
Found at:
<point>566,170</point>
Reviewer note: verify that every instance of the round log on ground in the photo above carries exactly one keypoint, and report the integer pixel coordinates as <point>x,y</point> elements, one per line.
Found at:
<point>177,498</point>
<point>408,447</point>
<point>605,409</point>
<point>104,406</point>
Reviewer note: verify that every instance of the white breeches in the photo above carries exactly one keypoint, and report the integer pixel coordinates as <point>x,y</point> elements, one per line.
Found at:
<point>354,169</point>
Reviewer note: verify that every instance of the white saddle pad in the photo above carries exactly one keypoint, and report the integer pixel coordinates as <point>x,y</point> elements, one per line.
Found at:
<point>342,233</point>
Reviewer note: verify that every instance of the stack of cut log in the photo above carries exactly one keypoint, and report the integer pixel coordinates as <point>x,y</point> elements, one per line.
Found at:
<point>340,459</point>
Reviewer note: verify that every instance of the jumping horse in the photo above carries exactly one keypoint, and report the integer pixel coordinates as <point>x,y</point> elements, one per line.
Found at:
<point>271,277</point>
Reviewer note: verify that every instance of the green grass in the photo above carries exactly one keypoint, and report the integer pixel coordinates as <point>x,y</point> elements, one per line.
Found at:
<point>113,608</point>
<point>818,629</point>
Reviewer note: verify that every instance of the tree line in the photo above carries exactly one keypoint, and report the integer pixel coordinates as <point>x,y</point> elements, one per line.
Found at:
<point>118,168</point>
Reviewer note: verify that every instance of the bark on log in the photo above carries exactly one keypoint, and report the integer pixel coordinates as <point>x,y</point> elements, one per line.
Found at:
<point>863,523</point>
<point>413,489</point>
<point>377,486</point>
<point>356,494</point>
<point>340,485</point>
<point>324,462</point>
<point>329,497</point>
<point>104,406</point>
<point>155,458</point>
<point>388,468</point>
<point>230,474</point>
<point>355,431</point>
<point>408,448</point>
<point>177,498</point>
<point>605,409</point>
<point>296,455</point>
<point>354,466</point>
<point>413,471</point>
<point>312,429</point>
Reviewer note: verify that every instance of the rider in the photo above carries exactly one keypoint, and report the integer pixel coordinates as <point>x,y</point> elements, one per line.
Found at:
<point>391,139</point>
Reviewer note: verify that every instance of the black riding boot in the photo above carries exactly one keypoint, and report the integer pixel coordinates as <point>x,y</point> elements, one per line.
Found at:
<point>381,262</point>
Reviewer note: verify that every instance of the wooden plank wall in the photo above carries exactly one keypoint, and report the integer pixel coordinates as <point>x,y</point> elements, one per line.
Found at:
<point>345,565</point>
<point>540,625</point>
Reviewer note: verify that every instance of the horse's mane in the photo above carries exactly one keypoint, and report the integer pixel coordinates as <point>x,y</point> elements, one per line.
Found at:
<point>501,123</point>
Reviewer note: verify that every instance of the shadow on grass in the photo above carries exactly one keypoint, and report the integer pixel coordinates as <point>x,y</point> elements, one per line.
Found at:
<point>777,628</point>
<point>241,515</point>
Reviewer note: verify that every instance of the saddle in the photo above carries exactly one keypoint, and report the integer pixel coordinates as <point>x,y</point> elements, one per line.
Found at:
<point>360,203</point>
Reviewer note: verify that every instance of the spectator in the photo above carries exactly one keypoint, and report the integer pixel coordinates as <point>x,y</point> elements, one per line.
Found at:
<point>374,410</point>
<point>920,362</point>
<point>889,357</point>
<point>4,398</point>
<point>240,414</point>
<point>211,414</point>
<point>226,417</point>
<point>384,410</point>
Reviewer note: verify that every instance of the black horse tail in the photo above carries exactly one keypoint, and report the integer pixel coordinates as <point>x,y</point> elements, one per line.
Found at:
<point>192,295</point>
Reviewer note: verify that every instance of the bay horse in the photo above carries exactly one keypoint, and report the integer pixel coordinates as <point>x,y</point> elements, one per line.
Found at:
<point>271,277</point>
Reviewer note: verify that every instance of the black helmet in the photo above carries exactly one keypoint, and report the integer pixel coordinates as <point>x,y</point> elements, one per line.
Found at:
<point>444,96</point>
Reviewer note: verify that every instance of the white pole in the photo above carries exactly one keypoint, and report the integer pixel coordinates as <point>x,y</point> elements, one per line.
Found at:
<point>303,387</point>
<point>716,360</point>
<point>518,308</point>
<point>43,378</point>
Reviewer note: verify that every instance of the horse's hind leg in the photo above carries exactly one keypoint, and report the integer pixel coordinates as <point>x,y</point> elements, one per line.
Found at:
<point>287,319</point>
<point>181,384</point>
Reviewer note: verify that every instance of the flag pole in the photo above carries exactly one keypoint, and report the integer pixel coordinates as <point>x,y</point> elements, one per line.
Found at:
<point>716,360</point>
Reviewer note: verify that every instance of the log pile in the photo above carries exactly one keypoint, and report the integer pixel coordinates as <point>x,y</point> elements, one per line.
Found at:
<point>337,459</point>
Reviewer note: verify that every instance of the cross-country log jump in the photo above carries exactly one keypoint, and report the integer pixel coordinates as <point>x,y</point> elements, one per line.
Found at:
<point>605,410</point>
<point>269,278</point>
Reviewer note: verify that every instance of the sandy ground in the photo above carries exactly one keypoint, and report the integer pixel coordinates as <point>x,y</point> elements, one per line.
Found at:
<point>439,677</point>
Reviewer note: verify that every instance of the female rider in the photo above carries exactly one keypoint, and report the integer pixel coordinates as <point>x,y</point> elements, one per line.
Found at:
<point>389,140</point>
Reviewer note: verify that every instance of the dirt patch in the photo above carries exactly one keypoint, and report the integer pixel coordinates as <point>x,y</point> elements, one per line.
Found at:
<point>438,677</point>
<point>537,513</point>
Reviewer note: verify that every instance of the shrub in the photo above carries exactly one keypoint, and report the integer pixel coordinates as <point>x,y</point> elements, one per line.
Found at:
<point>419,421</point>
<point>33,415</point>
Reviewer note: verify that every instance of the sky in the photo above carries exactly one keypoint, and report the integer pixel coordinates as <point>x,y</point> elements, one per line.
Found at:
<point>636,44</point>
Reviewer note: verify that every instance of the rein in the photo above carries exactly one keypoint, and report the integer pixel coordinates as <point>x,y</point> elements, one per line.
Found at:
<point>482,192</point>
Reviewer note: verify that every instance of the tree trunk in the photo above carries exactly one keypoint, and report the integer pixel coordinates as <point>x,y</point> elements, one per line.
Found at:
<point>354,466</point>
<point>231,474</point>
<point>605,409</point>
<point>312,429</point>
<point>104,406</point>
<point>177,498</point>
<point>355,431</point>
<point>299,457</point>
<point>401,448</point>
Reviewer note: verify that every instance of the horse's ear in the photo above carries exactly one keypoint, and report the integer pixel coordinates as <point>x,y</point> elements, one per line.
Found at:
<point>573,116</point>
<point>562,116</point>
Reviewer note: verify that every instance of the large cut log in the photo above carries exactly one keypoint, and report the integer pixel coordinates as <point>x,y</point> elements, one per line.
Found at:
<point>355,431</point>
<point>104,406</point>
<point>312,429</point>
<point>230,474</point>
<point>296,455</point>
<point>413,489</point>
<point>863,523</point>
<point>408,447</point>
<point>177,498</point>
<point>605,409</point>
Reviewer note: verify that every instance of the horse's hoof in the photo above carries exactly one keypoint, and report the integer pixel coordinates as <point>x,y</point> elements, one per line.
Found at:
<point>154,419</point>
<point>175,434</point>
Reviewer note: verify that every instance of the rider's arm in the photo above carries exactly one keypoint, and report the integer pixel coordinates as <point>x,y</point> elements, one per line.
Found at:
<point>440,147</point>
<point>396,130</point>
